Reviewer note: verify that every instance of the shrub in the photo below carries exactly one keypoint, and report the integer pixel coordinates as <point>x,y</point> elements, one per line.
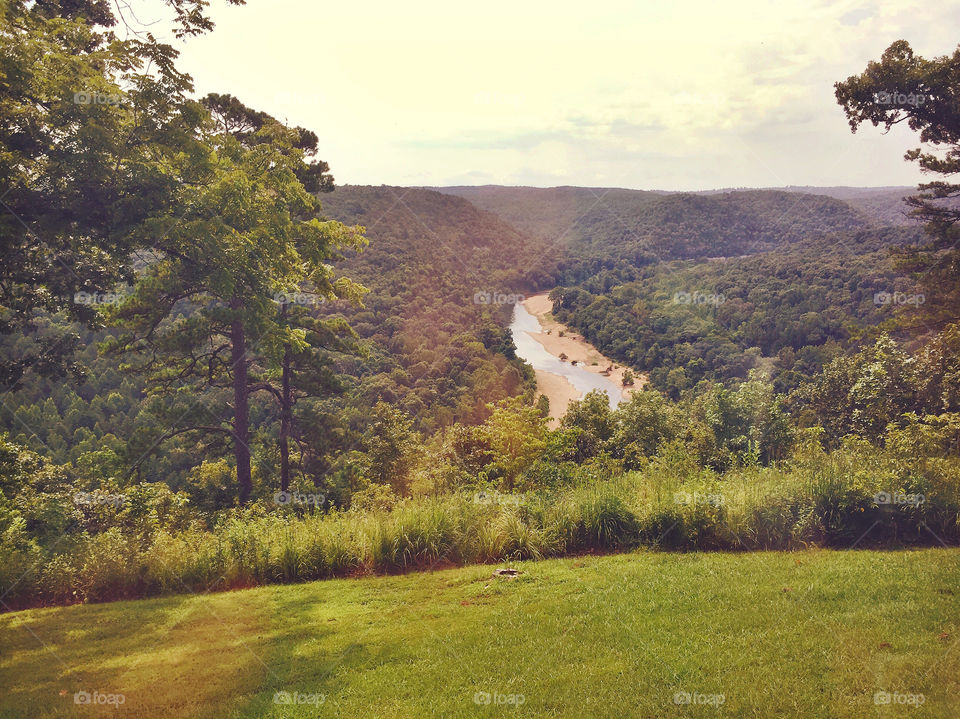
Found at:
<point>605,521</point>
<point>111,570</point>
<point>816,498</point>
<point>521,540</point>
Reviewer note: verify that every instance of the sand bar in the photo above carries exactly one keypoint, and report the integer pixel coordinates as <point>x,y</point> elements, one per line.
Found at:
<point>558,389</point>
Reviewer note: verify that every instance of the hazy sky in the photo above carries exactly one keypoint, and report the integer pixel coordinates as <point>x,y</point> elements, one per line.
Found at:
<point>648,95</point>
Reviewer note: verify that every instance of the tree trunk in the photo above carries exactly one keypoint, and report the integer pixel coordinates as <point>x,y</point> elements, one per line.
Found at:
<point>241,407</point>
<point>286,418</point>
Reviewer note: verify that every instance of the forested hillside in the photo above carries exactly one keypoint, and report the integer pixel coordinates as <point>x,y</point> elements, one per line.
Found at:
<point>546,213</point>
<point>591,229</point>
<point>786,311</point>
<point>695,286</point>
<point>219,369</point>
<point>885,205</point>
<point>431,347</point>
<point>440,274</point>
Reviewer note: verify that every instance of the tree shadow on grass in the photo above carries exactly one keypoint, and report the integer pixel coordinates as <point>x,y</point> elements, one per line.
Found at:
<point>180,656</point>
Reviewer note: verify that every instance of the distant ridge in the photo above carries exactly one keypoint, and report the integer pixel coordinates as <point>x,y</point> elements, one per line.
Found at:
<point>838,191</point>
<point>608,225</point>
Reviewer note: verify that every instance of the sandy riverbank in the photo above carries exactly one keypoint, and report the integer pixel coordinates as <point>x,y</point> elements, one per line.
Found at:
<point>557,389</point>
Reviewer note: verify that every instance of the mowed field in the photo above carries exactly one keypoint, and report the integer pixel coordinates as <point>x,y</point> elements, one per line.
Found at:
<point>767,634</point>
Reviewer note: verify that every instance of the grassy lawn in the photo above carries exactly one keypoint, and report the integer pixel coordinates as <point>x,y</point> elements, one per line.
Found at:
<point>801,634</point>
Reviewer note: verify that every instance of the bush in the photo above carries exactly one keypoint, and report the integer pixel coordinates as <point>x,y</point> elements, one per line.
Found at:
<point>605,521</point>
<point>816,498</point>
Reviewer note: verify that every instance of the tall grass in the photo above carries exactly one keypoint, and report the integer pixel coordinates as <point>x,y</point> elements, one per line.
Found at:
<point>828,501</point>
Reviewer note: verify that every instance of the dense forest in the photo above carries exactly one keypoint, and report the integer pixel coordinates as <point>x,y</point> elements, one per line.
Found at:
<point>598,228</point>
<point>424,347</point>
<point>421,350</point>
<point>786,311</point>
<point>216,359</point>
<point>433,265</point>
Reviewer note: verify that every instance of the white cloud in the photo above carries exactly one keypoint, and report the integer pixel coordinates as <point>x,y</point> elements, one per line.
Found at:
<point>680,95</point>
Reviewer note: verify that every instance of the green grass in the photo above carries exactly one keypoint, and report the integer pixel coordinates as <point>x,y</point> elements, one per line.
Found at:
<point>798,634</point>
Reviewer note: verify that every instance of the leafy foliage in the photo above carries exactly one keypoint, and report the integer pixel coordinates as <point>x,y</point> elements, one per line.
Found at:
<point>904,87</point>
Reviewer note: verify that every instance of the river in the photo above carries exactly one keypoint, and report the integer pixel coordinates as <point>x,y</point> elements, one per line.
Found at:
<point>529,349</point>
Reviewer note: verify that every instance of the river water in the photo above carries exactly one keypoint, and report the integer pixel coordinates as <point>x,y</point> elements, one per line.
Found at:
<point>583,380</point>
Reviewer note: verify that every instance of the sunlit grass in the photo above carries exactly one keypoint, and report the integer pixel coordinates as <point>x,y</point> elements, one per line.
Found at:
<point>801,634</point>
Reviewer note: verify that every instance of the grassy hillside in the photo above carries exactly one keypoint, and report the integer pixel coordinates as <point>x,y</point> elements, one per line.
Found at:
<point>802,634</point>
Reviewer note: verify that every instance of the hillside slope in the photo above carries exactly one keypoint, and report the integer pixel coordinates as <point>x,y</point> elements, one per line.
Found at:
<point>884,204</point>
<point>716,319</point>
<point>432,351</point>
<point>794,271</point>
<point>796,635</point>
<point>441,274</point>
<point>593,227</point>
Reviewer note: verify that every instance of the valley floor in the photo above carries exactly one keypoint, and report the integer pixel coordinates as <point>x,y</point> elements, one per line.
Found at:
<point>644,634</point>
<point>558,339</point>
